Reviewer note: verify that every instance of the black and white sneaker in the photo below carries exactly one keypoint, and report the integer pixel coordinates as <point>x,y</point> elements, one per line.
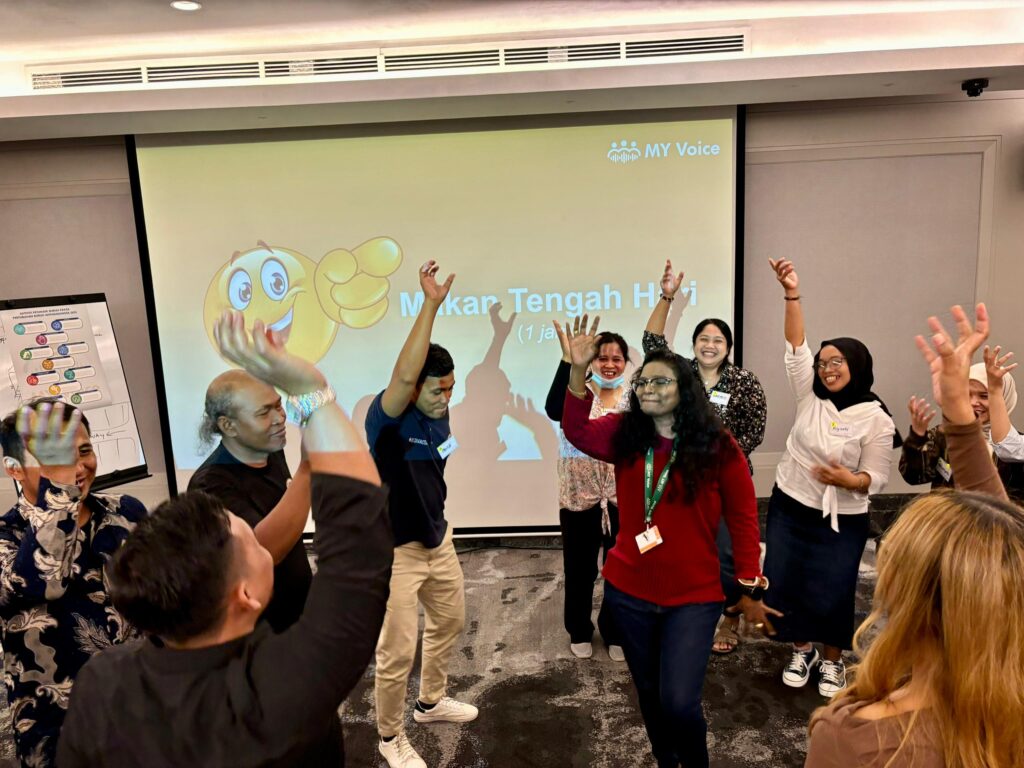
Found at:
<point>798,672</point>
<point>833,678</point>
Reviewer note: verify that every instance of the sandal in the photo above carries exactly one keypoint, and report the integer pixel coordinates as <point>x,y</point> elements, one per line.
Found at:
<point>726,636</point>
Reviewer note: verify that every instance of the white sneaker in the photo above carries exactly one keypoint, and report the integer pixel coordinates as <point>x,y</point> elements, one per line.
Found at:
<point>399,753</point>
<point>447,711</point>
<point>798,672</point>
<point>582,650</point>
<point>833,678</point>
<point>615,653</point>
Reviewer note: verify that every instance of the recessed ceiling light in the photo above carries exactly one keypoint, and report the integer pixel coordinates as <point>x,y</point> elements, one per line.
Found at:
<point>186,5</point>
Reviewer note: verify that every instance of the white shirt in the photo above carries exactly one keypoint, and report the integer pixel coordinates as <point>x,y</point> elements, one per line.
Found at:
<point>858,437</point>
<point>1012,446</point>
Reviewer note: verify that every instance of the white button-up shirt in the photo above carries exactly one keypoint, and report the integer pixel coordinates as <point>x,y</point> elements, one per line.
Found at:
<point>858,437</point>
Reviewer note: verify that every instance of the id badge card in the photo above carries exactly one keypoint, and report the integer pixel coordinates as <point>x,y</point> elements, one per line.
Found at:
<point>446,448</point>
<point>839,429</point>
<point>944,469</point>
<point>720,398</point>
<point>648,539</point>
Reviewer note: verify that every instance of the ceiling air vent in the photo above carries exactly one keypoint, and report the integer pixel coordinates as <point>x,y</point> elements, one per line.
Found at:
<point>560,54</point>
<point>309,67</point>
<point>442,60</point>
<point>86,78</point>
<point>212,71</point>
<point>642,49</point>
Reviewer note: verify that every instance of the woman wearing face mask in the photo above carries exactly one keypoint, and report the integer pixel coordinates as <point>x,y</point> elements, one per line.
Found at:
<point>924,458</point>
<point>588,512</point>
<point>677,472</point>
<point>839,451</point>
<point>738,398</point>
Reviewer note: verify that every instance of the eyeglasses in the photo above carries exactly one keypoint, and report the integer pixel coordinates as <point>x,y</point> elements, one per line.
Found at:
<point>658,383</point>
<point>835,363</point>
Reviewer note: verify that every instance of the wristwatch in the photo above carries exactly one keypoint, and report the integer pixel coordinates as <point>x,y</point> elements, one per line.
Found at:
<point>754,588</point>
<point>300,407</point>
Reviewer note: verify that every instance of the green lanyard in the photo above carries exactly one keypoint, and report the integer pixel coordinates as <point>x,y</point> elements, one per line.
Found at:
<point>652,495</point>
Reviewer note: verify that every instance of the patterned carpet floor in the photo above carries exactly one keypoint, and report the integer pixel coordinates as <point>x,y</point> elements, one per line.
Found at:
<point>540,706</point>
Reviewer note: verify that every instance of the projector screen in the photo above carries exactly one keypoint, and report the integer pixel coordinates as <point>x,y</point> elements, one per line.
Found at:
<point>325,235</point>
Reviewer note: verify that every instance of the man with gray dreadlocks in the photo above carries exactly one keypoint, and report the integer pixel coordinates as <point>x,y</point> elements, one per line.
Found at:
<point>248,474</point>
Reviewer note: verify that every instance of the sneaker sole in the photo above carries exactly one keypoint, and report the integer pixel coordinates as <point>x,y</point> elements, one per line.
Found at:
<point>426,717</point>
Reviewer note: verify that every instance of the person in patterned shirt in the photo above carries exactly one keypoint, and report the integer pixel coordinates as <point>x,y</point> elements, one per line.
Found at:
<point>738,398</point>
<point>55,612</point>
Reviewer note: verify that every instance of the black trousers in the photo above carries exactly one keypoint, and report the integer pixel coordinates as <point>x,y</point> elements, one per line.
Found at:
<point>582,541</point>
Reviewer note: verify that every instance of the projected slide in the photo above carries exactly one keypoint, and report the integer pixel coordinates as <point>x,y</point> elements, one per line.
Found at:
<point>65,348</point>
<point>322,239</point>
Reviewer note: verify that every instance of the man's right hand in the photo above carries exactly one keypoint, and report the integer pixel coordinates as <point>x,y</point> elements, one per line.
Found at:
<point>262,354</point>
<point>433,290</point>
<point>46,436</point>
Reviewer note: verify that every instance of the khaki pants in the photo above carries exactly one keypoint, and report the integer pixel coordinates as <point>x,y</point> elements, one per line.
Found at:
<point>432,577</point>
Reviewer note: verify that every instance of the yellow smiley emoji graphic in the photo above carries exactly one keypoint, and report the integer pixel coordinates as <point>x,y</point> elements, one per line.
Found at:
<point>305,301</point>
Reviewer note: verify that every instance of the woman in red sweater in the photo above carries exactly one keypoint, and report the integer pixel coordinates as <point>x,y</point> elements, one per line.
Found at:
<point>677,471</point>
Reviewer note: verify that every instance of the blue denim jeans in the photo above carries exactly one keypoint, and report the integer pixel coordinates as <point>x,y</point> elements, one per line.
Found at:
<point>667,650</point>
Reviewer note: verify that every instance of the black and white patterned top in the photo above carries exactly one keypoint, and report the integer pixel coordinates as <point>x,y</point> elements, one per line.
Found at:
<point>55,611</point>
<point>746,411</point>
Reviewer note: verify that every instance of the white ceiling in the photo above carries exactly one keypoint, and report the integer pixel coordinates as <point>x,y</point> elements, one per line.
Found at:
<point>798,50</point>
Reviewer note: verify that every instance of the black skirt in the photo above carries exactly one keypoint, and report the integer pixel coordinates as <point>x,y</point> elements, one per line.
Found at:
<point>812,571</point>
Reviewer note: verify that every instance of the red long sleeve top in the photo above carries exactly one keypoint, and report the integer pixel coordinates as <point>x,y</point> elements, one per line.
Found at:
<point>684,568</point>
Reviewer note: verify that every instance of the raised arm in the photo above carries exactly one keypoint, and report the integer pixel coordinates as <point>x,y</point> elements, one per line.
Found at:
<point>670,283</point>
<point>595,437</point>
<point>968,454</point>
<point>556,394</point>
<point>321,657</point>
<point>785,273</point>
<point>920,452</point>
<point>996,367</point>
<point>404,377</point>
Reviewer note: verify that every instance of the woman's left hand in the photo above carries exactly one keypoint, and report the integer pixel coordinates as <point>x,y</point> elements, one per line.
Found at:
<point>756,613</point>
<point>836,474</point>
<point>997,365</point>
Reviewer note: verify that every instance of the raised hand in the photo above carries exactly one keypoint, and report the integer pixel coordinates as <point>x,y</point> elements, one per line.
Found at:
<point>671,282</point>
<point>997,366</point>
<point>785,273</point>
<point>428,282</point>
<point>921,415</point>
<point>582,343</point>
<point>953,361</point>
<point>263,354</point>
<point>563,341</point>
<point>47,437</point>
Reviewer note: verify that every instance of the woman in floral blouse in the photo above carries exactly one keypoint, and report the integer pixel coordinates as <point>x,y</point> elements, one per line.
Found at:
<point>588,512</point>
<point>739,399</point>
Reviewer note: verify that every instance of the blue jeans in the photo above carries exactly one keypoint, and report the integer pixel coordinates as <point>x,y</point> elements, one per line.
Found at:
<point>667,650</point>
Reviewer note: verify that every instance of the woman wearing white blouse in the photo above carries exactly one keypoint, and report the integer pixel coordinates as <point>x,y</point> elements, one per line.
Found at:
<point>837,454</point>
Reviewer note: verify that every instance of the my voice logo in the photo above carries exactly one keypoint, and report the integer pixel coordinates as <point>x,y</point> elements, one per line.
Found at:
<point>625,151</point>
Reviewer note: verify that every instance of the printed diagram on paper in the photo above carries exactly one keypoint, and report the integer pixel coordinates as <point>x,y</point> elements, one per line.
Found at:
<point>69,352</point>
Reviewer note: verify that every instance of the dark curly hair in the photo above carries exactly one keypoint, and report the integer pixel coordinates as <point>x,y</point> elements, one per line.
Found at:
<point>702,437</point>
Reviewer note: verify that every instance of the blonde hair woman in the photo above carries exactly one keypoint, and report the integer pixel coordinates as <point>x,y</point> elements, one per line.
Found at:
<point>942,684</point>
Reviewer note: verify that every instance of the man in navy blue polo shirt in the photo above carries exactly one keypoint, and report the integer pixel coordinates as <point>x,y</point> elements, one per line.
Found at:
<point>407,429</point>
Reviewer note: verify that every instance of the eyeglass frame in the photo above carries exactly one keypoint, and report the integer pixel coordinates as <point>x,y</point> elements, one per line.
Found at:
<point>640,384</point>
<point>835,363</point>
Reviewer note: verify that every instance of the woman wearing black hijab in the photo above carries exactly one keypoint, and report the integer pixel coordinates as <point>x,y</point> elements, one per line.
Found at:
<point>837,454</point>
